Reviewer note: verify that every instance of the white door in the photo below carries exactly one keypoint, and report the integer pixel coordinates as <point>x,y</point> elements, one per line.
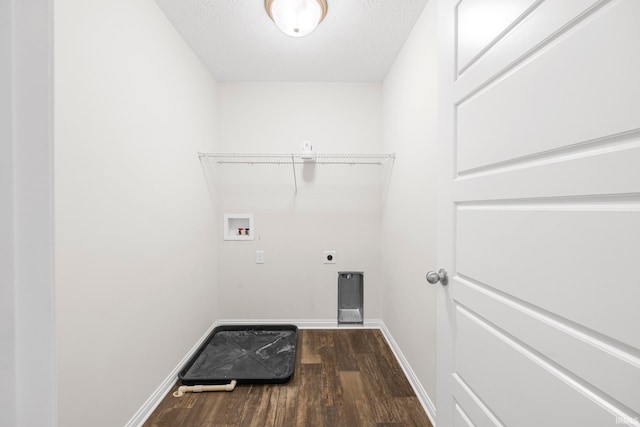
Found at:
<point>539,213</point>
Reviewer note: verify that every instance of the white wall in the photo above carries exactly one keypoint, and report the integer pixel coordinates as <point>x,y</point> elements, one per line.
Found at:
<point>7,321</point>
<point>134,222</point>
<point>335,208</point>
<point>409,223</point>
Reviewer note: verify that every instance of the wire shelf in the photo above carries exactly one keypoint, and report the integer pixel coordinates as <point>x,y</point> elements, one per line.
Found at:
<point>279,159</point>
<point>297,159</point>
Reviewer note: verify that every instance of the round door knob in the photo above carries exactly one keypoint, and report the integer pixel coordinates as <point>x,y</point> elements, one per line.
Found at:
<point>440,276</point>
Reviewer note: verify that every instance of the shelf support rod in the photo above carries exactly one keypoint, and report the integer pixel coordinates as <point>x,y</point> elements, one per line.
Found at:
<point>293,165</point>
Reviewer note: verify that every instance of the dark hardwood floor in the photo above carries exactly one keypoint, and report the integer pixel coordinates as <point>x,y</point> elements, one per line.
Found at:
<point>343,377</point>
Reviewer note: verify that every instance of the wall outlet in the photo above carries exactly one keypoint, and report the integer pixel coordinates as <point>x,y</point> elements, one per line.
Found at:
<point>329,257</point>
<point>259,257</point>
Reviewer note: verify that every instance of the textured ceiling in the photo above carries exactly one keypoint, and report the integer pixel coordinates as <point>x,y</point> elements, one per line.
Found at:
<point>357,41</point>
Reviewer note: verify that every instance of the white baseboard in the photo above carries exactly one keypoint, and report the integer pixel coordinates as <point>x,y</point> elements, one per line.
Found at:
<point>304,324</point>
<point>422,395</point>
<point>154,400</point>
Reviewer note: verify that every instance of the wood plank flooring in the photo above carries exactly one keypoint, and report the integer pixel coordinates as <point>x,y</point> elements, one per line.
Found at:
<point>343,377</point>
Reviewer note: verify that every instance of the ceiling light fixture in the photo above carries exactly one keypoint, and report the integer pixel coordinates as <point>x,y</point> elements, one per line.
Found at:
<point>296,18</point>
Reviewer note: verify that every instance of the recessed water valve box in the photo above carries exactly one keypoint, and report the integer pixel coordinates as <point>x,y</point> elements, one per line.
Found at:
<point>238,227</point>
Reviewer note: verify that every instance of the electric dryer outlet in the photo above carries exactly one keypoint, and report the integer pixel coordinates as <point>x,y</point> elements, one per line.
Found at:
<point>329,257</point>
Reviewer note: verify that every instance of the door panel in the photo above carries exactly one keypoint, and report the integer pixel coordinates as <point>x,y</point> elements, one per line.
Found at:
<point>475,412</point>
<point>551,101</point>
<point>539,218</point>
<point>606,167</point>
<point>540,24</point>
<point>480,22</point>
<point>492,364</point>
<point>537,250</point>
<point>559,342</point>
<point>462,419</point>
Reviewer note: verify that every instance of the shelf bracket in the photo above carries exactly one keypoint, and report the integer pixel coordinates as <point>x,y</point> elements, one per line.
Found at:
<point>293,165</point>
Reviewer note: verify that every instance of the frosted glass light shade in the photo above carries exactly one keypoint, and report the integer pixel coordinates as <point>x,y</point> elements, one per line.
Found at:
<point>296,18</point>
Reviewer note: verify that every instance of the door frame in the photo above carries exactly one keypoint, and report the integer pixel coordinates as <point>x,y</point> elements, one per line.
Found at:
<point>445,315</point>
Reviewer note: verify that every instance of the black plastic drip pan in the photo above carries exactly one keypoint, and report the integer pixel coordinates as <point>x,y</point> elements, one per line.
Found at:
<point>254,354</point>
